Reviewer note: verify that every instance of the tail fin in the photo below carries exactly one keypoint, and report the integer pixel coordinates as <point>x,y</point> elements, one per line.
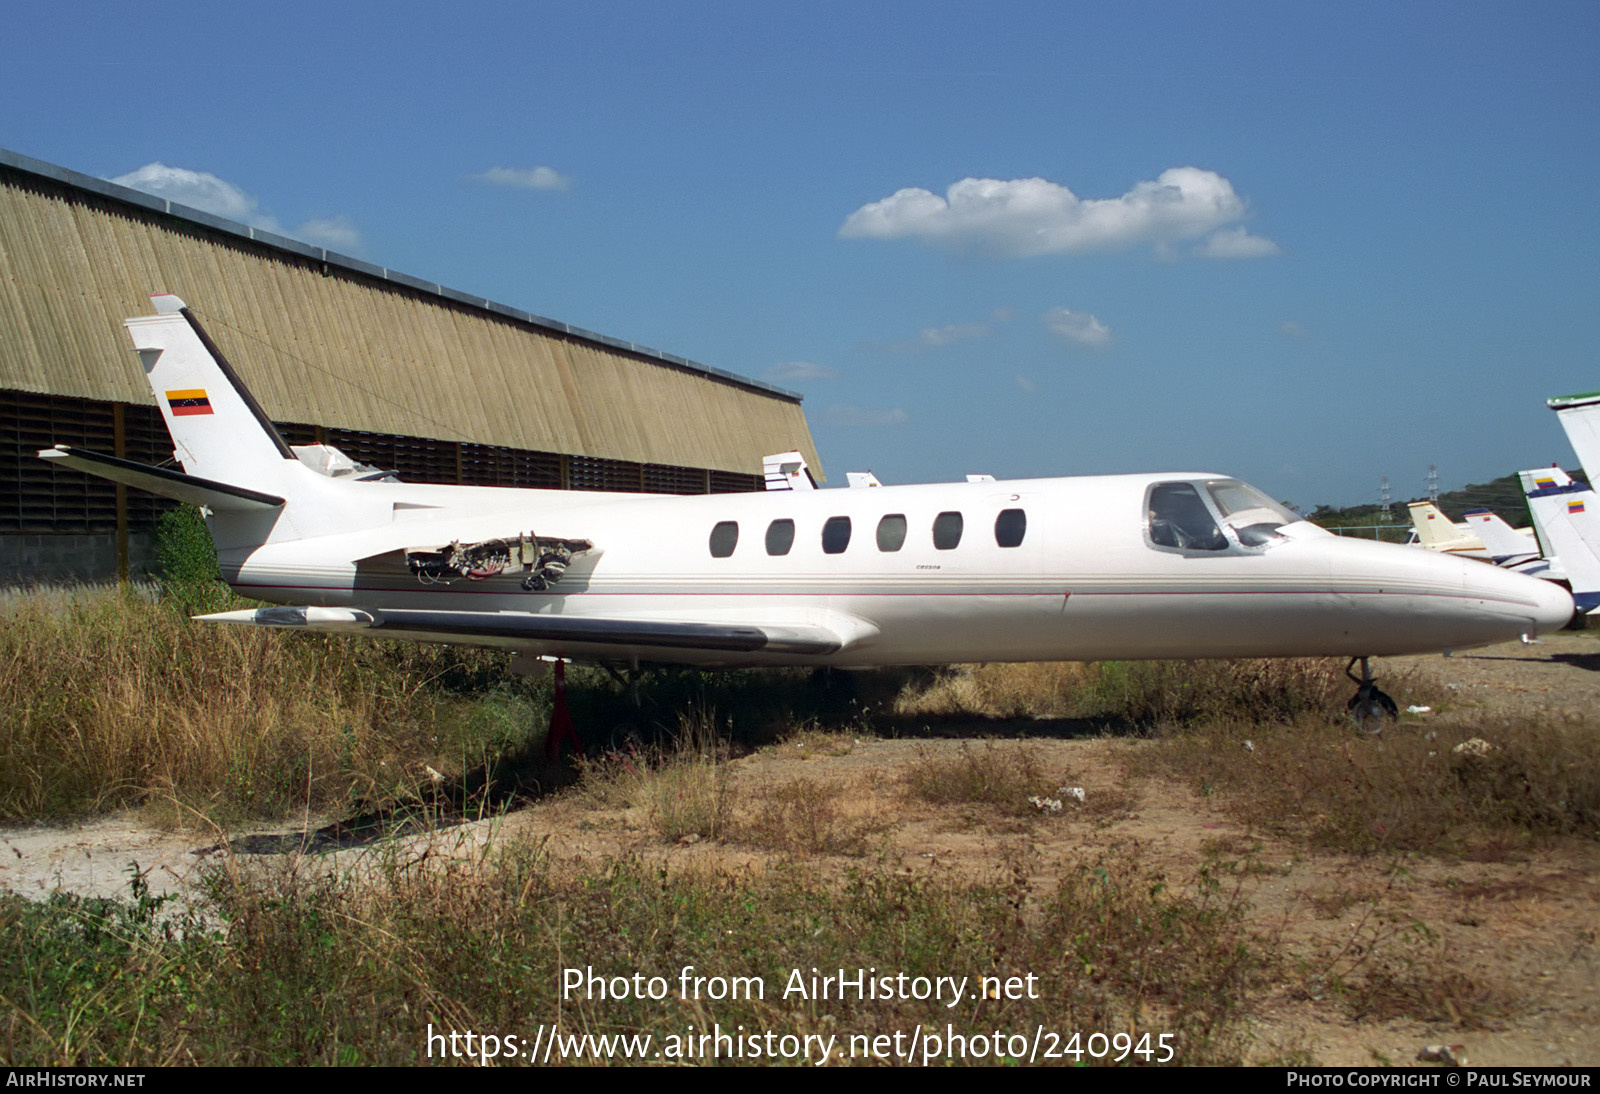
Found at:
<point>1506,546</point>
<point>1567,517</point>
<point>787,471</point>
<point>1437,532</point>
<point>220,431</point>
<point>1580,417</point>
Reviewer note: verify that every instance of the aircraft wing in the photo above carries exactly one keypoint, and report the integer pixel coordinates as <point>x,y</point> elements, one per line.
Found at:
<point>162,481</point>
<point>496,628</point>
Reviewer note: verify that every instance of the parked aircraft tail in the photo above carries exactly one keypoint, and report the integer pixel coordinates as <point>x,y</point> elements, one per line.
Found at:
<point>1506,546</point>
<point>219,429</point>
<point>1567,517</point>
<point>236,465</point>
<point>1437,532</point>
<point>1580,417</point>
<point>787,471</point>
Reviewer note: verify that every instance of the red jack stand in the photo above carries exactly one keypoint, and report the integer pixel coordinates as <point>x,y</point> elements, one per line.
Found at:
<point>561,729</point>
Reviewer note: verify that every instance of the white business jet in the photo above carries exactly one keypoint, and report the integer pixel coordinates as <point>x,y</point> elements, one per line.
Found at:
<point>1175,565</point>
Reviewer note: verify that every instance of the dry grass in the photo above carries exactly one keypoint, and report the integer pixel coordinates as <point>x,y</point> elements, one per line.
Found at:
<point>1001,776</point>
<point>1136,692</point>
<point>332,967</point>
<point>805,817</point>
<point>321,967</point>
<point>997,691</point>
<point>680,790</point>
<point>112,698</point>
<point>1407,789</point>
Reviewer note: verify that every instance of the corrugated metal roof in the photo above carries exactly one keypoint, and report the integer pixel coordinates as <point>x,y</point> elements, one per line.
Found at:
<point>325,338</point>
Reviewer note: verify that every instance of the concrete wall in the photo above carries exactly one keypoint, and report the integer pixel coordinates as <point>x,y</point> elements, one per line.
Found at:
<point>46,560</point>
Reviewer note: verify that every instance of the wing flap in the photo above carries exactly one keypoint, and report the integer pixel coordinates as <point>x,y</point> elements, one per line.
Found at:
<point>722,637</point>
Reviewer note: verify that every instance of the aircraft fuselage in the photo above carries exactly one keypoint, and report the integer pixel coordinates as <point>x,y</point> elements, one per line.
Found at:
<point>1081,574</point>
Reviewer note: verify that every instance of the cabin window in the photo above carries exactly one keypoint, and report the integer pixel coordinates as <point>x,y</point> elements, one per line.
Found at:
<point>947,531</point>
<point>1178,518</point>
<point>892,532</point>
<point>724,538</point>
<point>1009,527</point>
<point>780,537</point>
<point>835,535</point>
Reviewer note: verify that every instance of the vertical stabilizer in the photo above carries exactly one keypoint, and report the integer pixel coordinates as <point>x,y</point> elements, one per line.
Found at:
<point>1567,517</point>
<point>1580,417</point>
<point>219,430</point>
<point>787,471</point>
<point>1437,532</point>
<point>1506,546</point>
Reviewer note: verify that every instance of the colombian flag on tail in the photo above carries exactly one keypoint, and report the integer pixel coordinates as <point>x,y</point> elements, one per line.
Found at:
<point>190,401</point>
<point>1574,506</point>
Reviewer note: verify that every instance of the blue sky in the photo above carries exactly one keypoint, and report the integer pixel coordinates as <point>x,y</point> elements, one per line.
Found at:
<point>1309,245</point>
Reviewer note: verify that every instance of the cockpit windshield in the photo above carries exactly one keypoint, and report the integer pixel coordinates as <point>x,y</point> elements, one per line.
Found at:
<point>1254,517</point>
<point>1180,518</point>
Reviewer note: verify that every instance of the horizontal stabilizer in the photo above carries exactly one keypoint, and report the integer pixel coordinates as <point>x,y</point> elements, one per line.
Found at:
<point>194,490</point>
<point>500,626</point>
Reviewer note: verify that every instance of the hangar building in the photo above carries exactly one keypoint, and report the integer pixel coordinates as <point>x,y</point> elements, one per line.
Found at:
<point>394,371</point>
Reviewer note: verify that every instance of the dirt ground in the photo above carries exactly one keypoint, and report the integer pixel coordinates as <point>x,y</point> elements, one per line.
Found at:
<point>1521,931</point>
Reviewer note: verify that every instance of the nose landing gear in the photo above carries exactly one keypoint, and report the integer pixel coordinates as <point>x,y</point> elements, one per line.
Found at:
<point>1369,707</point>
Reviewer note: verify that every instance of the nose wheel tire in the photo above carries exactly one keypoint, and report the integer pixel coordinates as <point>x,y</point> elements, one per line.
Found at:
<point>1370,707</point>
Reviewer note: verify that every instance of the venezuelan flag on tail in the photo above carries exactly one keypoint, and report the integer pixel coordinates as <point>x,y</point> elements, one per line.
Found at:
<point>187,402</point>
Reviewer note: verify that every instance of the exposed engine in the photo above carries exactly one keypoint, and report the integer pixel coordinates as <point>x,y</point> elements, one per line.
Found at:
<point>543,560</point>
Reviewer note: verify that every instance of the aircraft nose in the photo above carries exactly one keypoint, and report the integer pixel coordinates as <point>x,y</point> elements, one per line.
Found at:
<point>1545,605</point>
<point>1554,607</point>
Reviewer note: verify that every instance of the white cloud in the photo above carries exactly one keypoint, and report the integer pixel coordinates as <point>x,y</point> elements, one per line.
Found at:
<point>1078,327</point>
<point>857,417</point>
<point>526,178</point>
<point>1290,329</point>
<point>210,194</point>
<point>799,371</point>
<point>1236,243</point>
<point>953,332</point>
<point>1025,384</point>
<point>935,337</point>
<point>1024,217</point>
<point>197,189</point>
<point>335,233</point>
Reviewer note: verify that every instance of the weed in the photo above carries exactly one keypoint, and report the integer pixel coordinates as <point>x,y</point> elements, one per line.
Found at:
<point>1001,776</point>
<point>682,790</point>
<point>1403,791</point>
<point>1134,692</point>
<point>804,817</point>
<point>111,698</point>
<point>319,966</point>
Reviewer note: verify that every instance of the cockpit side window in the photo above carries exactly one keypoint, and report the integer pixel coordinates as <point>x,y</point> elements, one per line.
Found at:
<point>1254,517</point>
<point>1180,519</point>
